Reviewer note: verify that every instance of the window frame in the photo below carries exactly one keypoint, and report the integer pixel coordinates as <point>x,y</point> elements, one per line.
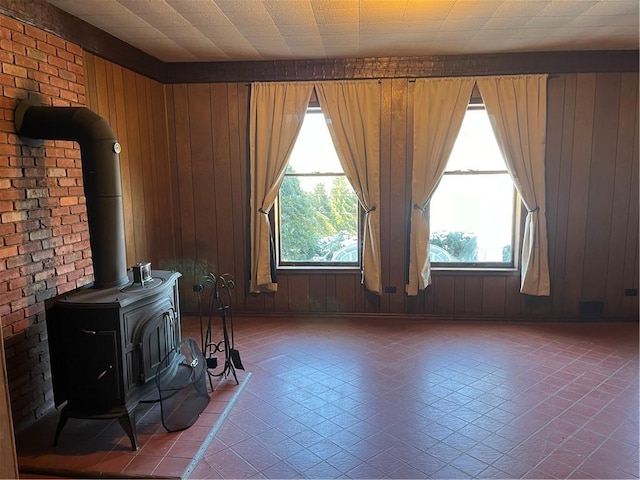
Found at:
<point>276,219</point>
<point>476,103</point>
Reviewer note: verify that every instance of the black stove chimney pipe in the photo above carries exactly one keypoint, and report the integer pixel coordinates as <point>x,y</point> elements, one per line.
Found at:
<point>99,150</point>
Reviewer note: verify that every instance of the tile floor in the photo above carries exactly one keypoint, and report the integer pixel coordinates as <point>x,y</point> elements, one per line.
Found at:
<point>403,398</point>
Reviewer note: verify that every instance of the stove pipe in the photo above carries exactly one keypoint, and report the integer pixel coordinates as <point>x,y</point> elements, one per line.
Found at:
<point>99,151</point>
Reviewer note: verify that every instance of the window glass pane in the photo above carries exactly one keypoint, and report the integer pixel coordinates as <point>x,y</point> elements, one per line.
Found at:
<point>318,220</point>
<point>476,147</point>
<point>318,207</point>
<point>314,151</point>
<point>471,218</point>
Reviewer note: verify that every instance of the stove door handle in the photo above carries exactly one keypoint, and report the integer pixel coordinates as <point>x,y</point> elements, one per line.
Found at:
<point>110,367</point>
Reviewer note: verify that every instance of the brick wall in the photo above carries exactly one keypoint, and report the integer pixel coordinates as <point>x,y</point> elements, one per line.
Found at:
<point>44,237</point>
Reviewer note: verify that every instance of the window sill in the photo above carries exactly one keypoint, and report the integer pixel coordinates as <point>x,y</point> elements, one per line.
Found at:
<point>487,271</point>
<point>317,270</point>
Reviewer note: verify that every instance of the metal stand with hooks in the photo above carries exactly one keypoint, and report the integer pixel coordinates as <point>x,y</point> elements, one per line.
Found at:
<point>219,302</point>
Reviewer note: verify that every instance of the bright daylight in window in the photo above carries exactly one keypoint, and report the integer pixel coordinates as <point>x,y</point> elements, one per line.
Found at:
<point>472,211</point>
<point>318,209</point>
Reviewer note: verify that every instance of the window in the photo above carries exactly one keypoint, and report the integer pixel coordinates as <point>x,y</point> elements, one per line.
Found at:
<point>473,211</point>
<point>317,209</point>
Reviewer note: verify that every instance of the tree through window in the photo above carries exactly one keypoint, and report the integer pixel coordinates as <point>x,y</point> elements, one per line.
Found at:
<point>472,212</point>
<point>318,210</point>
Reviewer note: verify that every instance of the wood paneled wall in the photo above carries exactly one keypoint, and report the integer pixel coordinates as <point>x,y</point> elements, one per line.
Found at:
<point>135,108</point>
<point>186,193</point>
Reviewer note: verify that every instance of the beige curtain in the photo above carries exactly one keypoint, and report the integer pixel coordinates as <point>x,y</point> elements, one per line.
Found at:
<point>517,108</point>
<point>439,106</point>
<point>352,110</point>
<point>277,111</point>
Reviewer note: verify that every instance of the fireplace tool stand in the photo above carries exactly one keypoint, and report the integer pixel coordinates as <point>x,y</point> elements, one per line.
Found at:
<point>219,304</point>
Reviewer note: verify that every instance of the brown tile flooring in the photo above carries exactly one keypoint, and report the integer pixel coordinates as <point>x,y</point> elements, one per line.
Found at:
<point>403,398</point>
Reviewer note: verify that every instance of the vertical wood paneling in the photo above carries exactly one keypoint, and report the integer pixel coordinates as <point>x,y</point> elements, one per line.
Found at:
<point>184,197</point>
<point>623,185</point>
<point>458,295</point>
<point>579,191</point>
<point>513,298</point>
<point>473,293</point>
<point>237,103</point>
<point>145,169</point>
<point>385,189</point>
<point>553,154</point>
<point>135,165</point>
<point>123,138</point>
<point>222,179</point>
<point>397,198</point>
<point>630,274</point>
<point>600,194</point>
<point>493,295</point>
<point>317,293</point>
<point>444,296</point>
<point>201,182</point>
<point>298,293</point>
<point>346,286</point>
<point>332,303</point>
<point>202,173</point>
<point>564,123</point>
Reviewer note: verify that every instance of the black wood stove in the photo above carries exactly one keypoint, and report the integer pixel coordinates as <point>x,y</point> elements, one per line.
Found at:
<point>107,342</point>
<point>107,345</point>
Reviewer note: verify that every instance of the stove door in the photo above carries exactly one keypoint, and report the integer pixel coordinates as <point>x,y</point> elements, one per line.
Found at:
<point>155,337</point>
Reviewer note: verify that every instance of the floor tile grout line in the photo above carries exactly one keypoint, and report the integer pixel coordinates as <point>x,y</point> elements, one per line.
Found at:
<point>214,430</point>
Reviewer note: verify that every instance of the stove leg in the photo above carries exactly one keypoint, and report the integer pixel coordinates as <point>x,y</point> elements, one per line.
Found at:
<point>128,424</point>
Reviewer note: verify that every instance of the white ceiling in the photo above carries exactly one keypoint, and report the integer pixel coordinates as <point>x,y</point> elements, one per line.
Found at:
<point>229,30</point>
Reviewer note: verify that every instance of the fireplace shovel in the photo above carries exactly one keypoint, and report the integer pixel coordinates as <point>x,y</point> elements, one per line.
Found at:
<point>234,355</point>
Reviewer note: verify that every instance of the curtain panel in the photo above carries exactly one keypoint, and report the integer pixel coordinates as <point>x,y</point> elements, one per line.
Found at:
<point>517,108</point>
<point>352,111</point>
<point>277,111</point>
<point>439,106</point>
